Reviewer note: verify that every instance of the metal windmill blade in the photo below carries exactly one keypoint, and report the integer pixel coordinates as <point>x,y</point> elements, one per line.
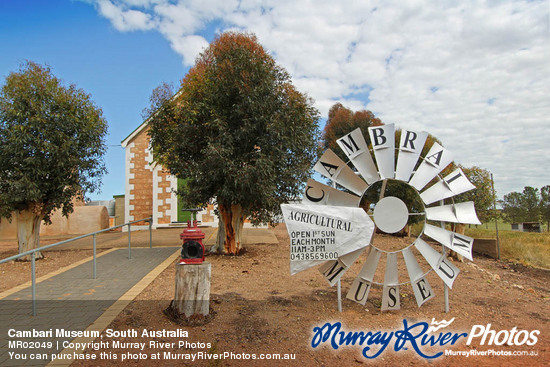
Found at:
<point>460,243</point>
<point>390,213</point>
<point>454,213</point>
<point>335,169</point>
<point>438,262</point>
<point>421,288</point>
<point>383,144</point>
<point>356,149</point>
<point>436,160</point>
<point>317,193</point>
<point>410,147</point>
<point>453,184</point>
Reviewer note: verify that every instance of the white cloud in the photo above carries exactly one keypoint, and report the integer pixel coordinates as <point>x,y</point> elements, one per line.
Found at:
<point>125,20</point>
<point>475,74</point>
<point>189,47</point>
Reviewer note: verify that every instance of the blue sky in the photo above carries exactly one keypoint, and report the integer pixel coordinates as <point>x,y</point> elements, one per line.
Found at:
<point>476,74</point>
<point>118,69</point>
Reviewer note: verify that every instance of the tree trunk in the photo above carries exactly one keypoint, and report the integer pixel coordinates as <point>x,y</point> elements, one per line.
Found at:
<point>233,221</point>
<point>192,296</point>
<point>28,232</point>
<point>220,238</point>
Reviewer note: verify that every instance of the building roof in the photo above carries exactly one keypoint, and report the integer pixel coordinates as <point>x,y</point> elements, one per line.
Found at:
<point>143,125</point>
<point>134,133</point>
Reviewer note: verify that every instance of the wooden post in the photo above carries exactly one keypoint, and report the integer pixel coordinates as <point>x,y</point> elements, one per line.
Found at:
<point>192,297</point>
<point>496,218</point>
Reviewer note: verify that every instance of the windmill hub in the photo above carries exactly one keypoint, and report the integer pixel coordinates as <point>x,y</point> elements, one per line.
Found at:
<point>391,214</point>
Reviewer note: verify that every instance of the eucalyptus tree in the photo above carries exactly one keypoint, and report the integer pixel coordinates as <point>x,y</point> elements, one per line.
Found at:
<point>51,148</point>
<point>238,132</point>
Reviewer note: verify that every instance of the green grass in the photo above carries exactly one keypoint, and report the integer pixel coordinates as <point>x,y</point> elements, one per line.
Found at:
<point>502,226</point>
<point>507,226</point>
<point>525,248</point>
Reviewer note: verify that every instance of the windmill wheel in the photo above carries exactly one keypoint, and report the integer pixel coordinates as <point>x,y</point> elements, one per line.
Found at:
<point>322,205</point>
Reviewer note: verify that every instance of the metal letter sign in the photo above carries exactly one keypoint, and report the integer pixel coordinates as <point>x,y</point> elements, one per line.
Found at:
<point>329,228</point>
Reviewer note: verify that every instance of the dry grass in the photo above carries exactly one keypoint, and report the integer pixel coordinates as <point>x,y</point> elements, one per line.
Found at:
<point>526,248</point>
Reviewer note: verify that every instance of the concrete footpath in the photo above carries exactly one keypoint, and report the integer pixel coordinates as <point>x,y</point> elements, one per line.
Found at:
<point>69,300</point>
<point>160,237</point>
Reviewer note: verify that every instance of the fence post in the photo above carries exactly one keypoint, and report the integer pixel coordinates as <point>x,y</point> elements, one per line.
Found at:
<point>129,242</point>
<point>445,287</point>
<point>151,232</point>
<point>95,269</point>
<point>496,219</point>
<point>33,280</point>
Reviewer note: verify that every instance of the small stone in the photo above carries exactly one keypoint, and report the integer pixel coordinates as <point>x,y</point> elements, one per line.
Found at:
<point>517,286</point>
<point>496,277</point>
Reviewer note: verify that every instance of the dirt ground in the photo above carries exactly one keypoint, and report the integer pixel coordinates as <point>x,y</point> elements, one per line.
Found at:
<point>259,308</point>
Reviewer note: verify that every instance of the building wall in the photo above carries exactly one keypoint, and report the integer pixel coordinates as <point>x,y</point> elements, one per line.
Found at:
<point>119,210</point>
<point>150,190</point>
<point>208,215</point>
<point>139,179</point>
<point>164,197</point>
<point>84,219</point>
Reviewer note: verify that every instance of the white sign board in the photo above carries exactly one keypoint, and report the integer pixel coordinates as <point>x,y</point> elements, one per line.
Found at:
<point>322,233</point>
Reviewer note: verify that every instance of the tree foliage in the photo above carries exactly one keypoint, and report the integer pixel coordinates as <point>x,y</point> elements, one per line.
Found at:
<point>342,121</point>
<point>545,205</point>
<point>237,131</point>
<point>52,139</point>
<point>512,207</point>
<point>530,205</point>
<point>482,195</point>
<point>530,202</point>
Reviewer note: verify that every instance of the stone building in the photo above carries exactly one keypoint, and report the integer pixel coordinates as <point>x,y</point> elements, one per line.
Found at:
<point>149,189</point>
